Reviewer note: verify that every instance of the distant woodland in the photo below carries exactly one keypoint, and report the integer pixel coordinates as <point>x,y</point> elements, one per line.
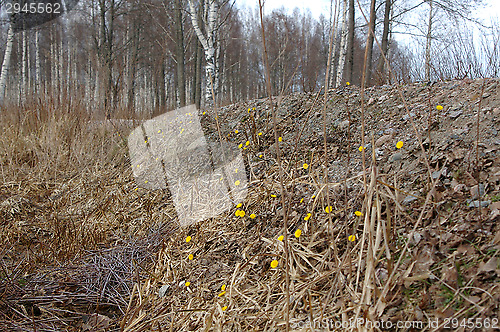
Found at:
<point>117,57</point>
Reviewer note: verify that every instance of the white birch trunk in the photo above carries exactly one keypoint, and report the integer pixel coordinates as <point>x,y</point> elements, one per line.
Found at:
<point>343,47</point>
<point>6,63</point>
<point>24,67</point>
<point>28,60</point>
<point>37,62</point>
<point>208,43</point>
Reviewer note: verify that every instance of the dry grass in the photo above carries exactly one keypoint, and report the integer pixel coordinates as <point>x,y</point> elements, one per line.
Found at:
<point>82,250</point>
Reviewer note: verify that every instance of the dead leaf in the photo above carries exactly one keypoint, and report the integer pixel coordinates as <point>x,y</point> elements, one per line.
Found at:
<point>491,265</point>
<point>96,322</point>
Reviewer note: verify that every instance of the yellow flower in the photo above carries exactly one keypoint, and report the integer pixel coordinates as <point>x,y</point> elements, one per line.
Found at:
<point>146,181</point>
<point>239,205</point>
<point>352,238</point>
<point>252,216</point>
<point>236,131</point>
<point>159,131</point>
<point>361,148</point>
<point>347,83</point>
<point>274,264</point>
<point>249,110</point>
<point>280,138</point>
<point>245,148</point>
<point>399,145</point>
<point>190,257</point>
<point>302,199</point>
<point>306,166</point>
<point>298,232</point>
<point>306,218</point>
<point>261,155</point>
<point>223,288</point>
<point>280,238</point>
<point>358,213</point>
<point>260,134</point>
<point>328,209</point>
<point>237,183</point>
<point>222,293</point>
<point>237,213</point>
<point>188,239</point>
<point>204,113</point>
<point>224,308</point>
<point>236,170</point>
<point>241,145</point>
<point>242,213</point>
<point>253,108</point>
<point>273,195</point>
<point>188,284</point>
<point>247,143</point>
<point>439,107</point>
<point>313,196</point>
<point>136,189</point>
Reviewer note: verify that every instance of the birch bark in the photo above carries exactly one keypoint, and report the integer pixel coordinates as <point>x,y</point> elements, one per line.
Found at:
<point>343,47</point>
<point>208,42</point>
<point>6,63</point>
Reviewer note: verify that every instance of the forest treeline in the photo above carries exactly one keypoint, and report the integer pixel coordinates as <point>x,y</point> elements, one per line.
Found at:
<point>118,57</point>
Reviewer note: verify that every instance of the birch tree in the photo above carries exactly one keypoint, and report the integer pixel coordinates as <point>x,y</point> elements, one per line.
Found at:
<point>343,47</point>
<point>6,63</point>
<point>209,10</point>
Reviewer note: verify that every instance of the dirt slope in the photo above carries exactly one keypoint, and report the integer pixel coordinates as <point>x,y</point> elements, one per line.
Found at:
<point>414,238</point>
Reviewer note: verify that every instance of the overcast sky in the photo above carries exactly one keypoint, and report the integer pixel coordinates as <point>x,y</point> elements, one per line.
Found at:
<point>318,7</point>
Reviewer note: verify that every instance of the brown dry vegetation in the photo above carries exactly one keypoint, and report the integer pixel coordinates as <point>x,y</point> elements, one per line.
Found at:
<point>82,250</point>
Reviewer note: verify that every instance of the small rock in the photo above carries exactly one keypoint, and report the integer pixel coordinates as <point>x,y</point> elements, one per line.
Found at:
<point>395,157</point>
<point>486,95</point>
<point>455,114</point>
<point>343,125</point>
<point>383,140</point>
<point>383,98</point>
<point>409,199</point>
<point>163,290</point>
<point>476,203</point>
<point>406,117</point>
<point>390,131</point>
<point>436,174</point>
